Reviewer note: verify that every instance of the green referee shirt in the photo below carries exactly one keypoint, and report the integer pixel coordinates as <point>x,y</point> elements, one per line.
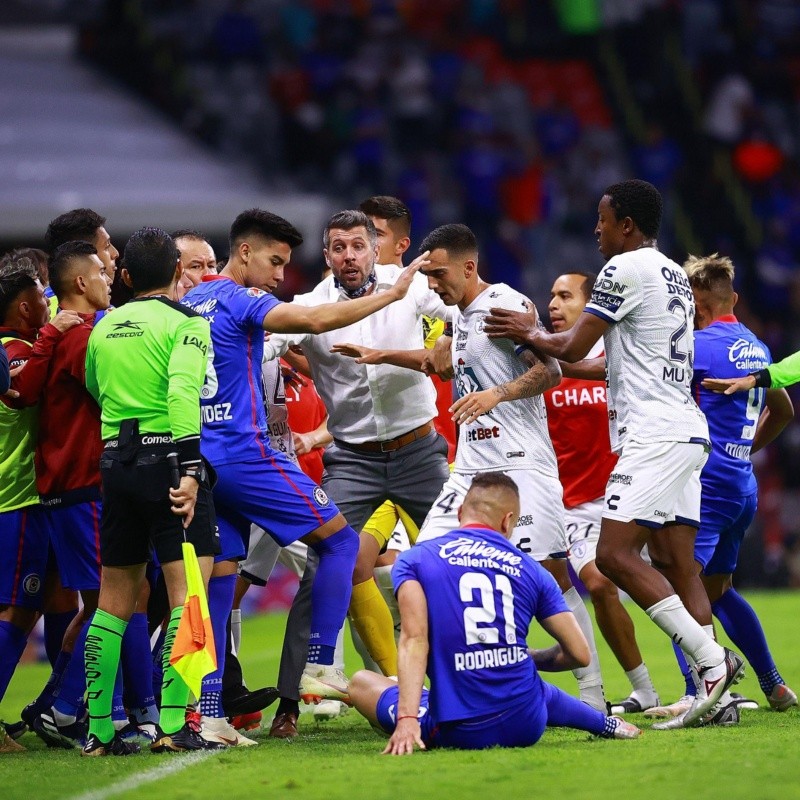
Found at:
<point>785,372</point>
<point>147,360</point>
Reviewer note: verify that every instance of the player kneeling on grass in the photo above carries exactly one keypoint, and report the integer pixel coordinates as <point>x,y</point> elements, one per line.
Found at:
<point>466,601</point>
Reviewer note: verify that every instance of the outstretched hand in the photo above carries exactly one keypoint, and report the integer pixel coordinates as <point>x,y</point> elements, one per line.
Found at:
<point>730,385</point>
<point>406,734</point>
<point>403,283</point>
<point>519,326</point>
<point>361,353</point>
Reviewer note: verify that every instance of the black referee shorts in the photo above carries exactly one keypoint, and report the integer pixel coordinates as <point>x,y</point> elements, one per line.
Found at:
<point>137,514</point>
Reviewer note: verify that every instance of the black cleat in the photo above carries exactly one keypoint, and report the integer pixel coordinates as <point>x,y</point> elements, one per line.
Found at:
<point>242,701</point>
<point>184,740</point>
<point>116,747</point>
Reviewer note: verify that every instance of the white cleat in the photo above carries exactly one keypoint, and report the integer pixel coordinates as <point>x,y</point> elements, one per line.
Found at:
<point>712,684</point>
<point>323,682</point>
<point>676,709</point>
<point>329,709</point>
<point>635,703</point>
<point>219,730</point>
<point>625,730</point>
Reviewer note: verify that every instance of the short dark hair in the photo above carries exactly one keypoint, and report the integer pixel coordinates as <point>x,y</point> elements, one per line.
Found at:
<point>16,276</point>
<point>455,238</point>
<point>150,258</point>
<point>188,233</point>
<point>266,224</point>
<point>80,223</point>
<point>493,480</point>
<point>62,260</point>
<point>640,201</point>
<point>588,282</point>
<point>393,210</point>
<point>347,220</point>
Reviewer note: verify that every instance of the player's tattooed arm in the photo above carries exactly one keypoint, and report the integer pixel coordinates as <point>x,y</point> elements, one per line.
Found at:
<point>542,375</point>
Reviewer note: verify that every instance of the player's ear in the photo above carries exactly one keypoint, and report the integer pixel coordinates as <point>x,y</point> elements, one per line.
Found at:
<point>458,512</point>
<point>126,278</point>
<point>509,523</point>
<point>328,261</point>
<point>402,245</point>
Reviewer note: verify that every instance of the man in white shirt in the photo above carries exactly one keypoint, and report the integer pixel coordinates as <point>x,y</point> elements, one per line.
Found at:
<point>643,307</point>
<point>384,443</point>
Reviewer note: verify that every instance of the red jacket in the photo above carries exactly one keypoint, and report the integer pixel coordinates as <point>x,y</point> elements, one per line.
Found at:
<point>69,445</point>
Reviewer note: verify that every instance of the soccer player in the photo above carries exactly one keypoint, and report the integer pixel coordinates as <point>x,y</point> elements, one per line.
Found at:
<point>503,422</point>
<point>467,599</point>
<point>255,483</point>
<point>83,224</point>
<point>774,376</point>
<point>385,445</point>
<point>577,417</point>
<point>23,311</point>
<point>739,425</point>
<point>643,307</point>
<point>145,365</point>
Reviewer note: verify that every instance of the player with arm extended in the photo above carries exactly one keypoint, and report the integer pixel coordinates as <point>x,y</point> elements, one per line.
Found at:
<point>643,307</point>
<point>774,376</point>
<point>739,425</point>
<point>577,417</point>
<point>255,483</point>
<point>145,365</point>
<point>467,599</point>
<point>495,433</point>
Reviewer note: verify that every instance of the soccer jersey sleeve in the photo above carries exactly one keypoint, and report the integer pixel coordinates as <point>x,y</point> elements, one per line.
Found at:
<point>30,382</point>
<point>405,569</point>
<point>786,372</point>
<point>702,356</point>
<point>186,373</point>
<point>250,306</point>
<point>549,599</point>
<point>616,293</point>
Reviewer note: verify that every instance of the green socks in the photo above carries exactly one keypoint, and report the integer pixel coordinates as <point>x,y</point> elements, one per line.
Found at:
<point>103,643</point>
<point>174,691</point>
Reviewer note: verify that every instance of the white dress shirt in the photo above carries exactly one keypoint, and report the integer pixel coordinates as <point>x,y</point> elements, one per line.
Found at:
<point>368,403</point>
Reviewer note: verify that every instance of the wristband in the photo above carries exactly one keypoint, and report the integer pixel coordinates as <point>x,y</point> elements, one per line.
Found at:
<point>763,378</point>
<point>408,716</point>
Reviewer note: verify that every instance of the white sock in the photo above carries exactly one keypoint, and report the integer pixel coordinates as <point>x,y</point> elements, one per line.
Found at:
<point>590,681</point>
<point>338,653</point>
<point>236,630</point>
<point>672,617</point>
<point>640,680</point>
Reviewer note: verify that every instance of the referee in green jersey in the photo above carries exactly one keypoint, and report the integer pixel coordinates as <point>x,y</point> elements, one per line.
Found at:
<point>775,376</point>
<point>145,365</point>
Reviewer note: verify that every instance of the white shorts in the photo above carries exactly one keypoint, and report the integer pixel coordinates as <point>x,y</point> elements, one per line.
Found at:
<point>540,530</point>
<point>653,484</point>
<point>583,532</point>
<point>264,552</point>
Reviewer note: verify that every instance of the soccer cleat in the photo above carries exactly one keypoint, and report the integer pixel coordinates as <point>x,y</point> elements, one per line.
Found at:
<point>676,709</point>
<point>634,704</point>
<point>116,747</point>
<point>782,697</point>
<point>184,740</point>
<point>8,745</point>
<point>670,724</point>
<point>742,702</point>
<point>723,714</point>
<point>712,684</point>
<point>284,726</point>
<point>329,709</point>
<point>217,729</point>
<point>623,730</point>
<point>15,729</point>
<point>323,682</point>
<point>55,735</point>
<point>142,732</point>
<point>243,701</point>
<point>247,722</point>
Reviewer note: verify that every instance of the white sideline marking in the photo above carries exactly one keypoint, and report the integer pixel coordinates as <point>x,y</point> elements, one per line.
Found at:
<point>140,778</point>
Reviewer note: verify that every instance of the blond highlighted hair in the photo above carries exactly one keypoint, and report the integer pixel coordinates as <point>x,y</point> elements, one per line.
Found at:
<point>710,273</point>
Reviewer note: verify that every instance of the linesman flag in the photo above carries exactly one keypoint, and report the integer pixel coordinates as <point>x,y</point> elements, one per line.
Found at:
<point>193,652</point>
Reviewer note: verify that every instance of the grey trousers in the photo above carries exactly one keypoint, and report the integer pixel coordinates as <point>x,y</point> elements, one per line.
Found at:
<point>358,483</point>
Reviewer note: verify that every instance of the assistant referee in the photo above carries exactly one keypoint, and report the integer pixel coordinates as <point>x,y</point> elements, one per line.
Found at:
<point>145,365</point>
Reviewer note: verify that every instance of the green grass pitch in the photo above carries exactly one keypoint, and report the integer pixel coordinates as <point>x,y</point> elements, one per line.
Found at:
<point>339,760</point>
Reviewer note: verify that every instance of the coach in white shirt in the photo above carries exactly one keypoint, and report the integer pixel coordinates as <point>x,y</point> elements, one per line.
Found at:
<point>384,444</point>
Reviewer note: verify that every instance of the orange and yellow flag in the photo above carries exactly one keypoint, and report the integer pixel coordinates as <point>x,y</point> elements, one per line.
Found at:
<point>193,652</point>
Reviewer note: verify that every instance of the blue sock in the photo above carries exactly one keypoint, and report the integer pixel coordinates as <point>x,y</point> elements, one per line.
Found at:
<point>73,682</point>
<point>117,705</point>
<point>53,685</point>
<point>565,711</point>
<point>330,594</point>
<point>12,645</point>
<point>740,622</point>
<point>685,669</point>
<point>55,626</point>
<point>137,669</point>
<point>220,603</point>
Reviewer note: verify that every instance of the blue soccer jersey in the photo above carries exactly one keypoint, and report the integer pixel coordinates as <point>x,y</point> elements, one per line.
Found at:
<point>232,402</point>
<point>482,594</point>
<point>727,349</point>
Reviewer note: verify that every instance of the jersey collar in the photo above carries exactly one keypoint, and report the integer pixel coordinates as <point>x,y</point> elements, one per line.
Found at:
<point>207,278</point>
<point>724,318</point>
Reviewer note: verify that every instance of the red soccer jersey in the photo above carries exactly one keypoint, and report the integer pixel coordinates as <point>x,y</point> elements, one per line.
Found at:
<point>443,421</point>
<point>577,416</point>
<point>69,445</point>
<point>306,412</point>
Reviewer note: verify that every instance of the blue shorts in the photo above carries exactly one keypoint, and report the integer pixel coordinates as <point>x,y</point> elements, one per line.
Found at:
<point>513,727</point>
<point>75,535</point>
<point>24,549</point>
<point>723,524</point>
<point>272,493</point>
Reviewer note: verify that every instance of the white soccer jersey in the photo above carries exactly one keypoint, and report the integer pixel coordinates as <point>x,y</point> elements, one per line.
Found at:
<point>280,435</point>
<point>649,346</point>
<point>513,435</point>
